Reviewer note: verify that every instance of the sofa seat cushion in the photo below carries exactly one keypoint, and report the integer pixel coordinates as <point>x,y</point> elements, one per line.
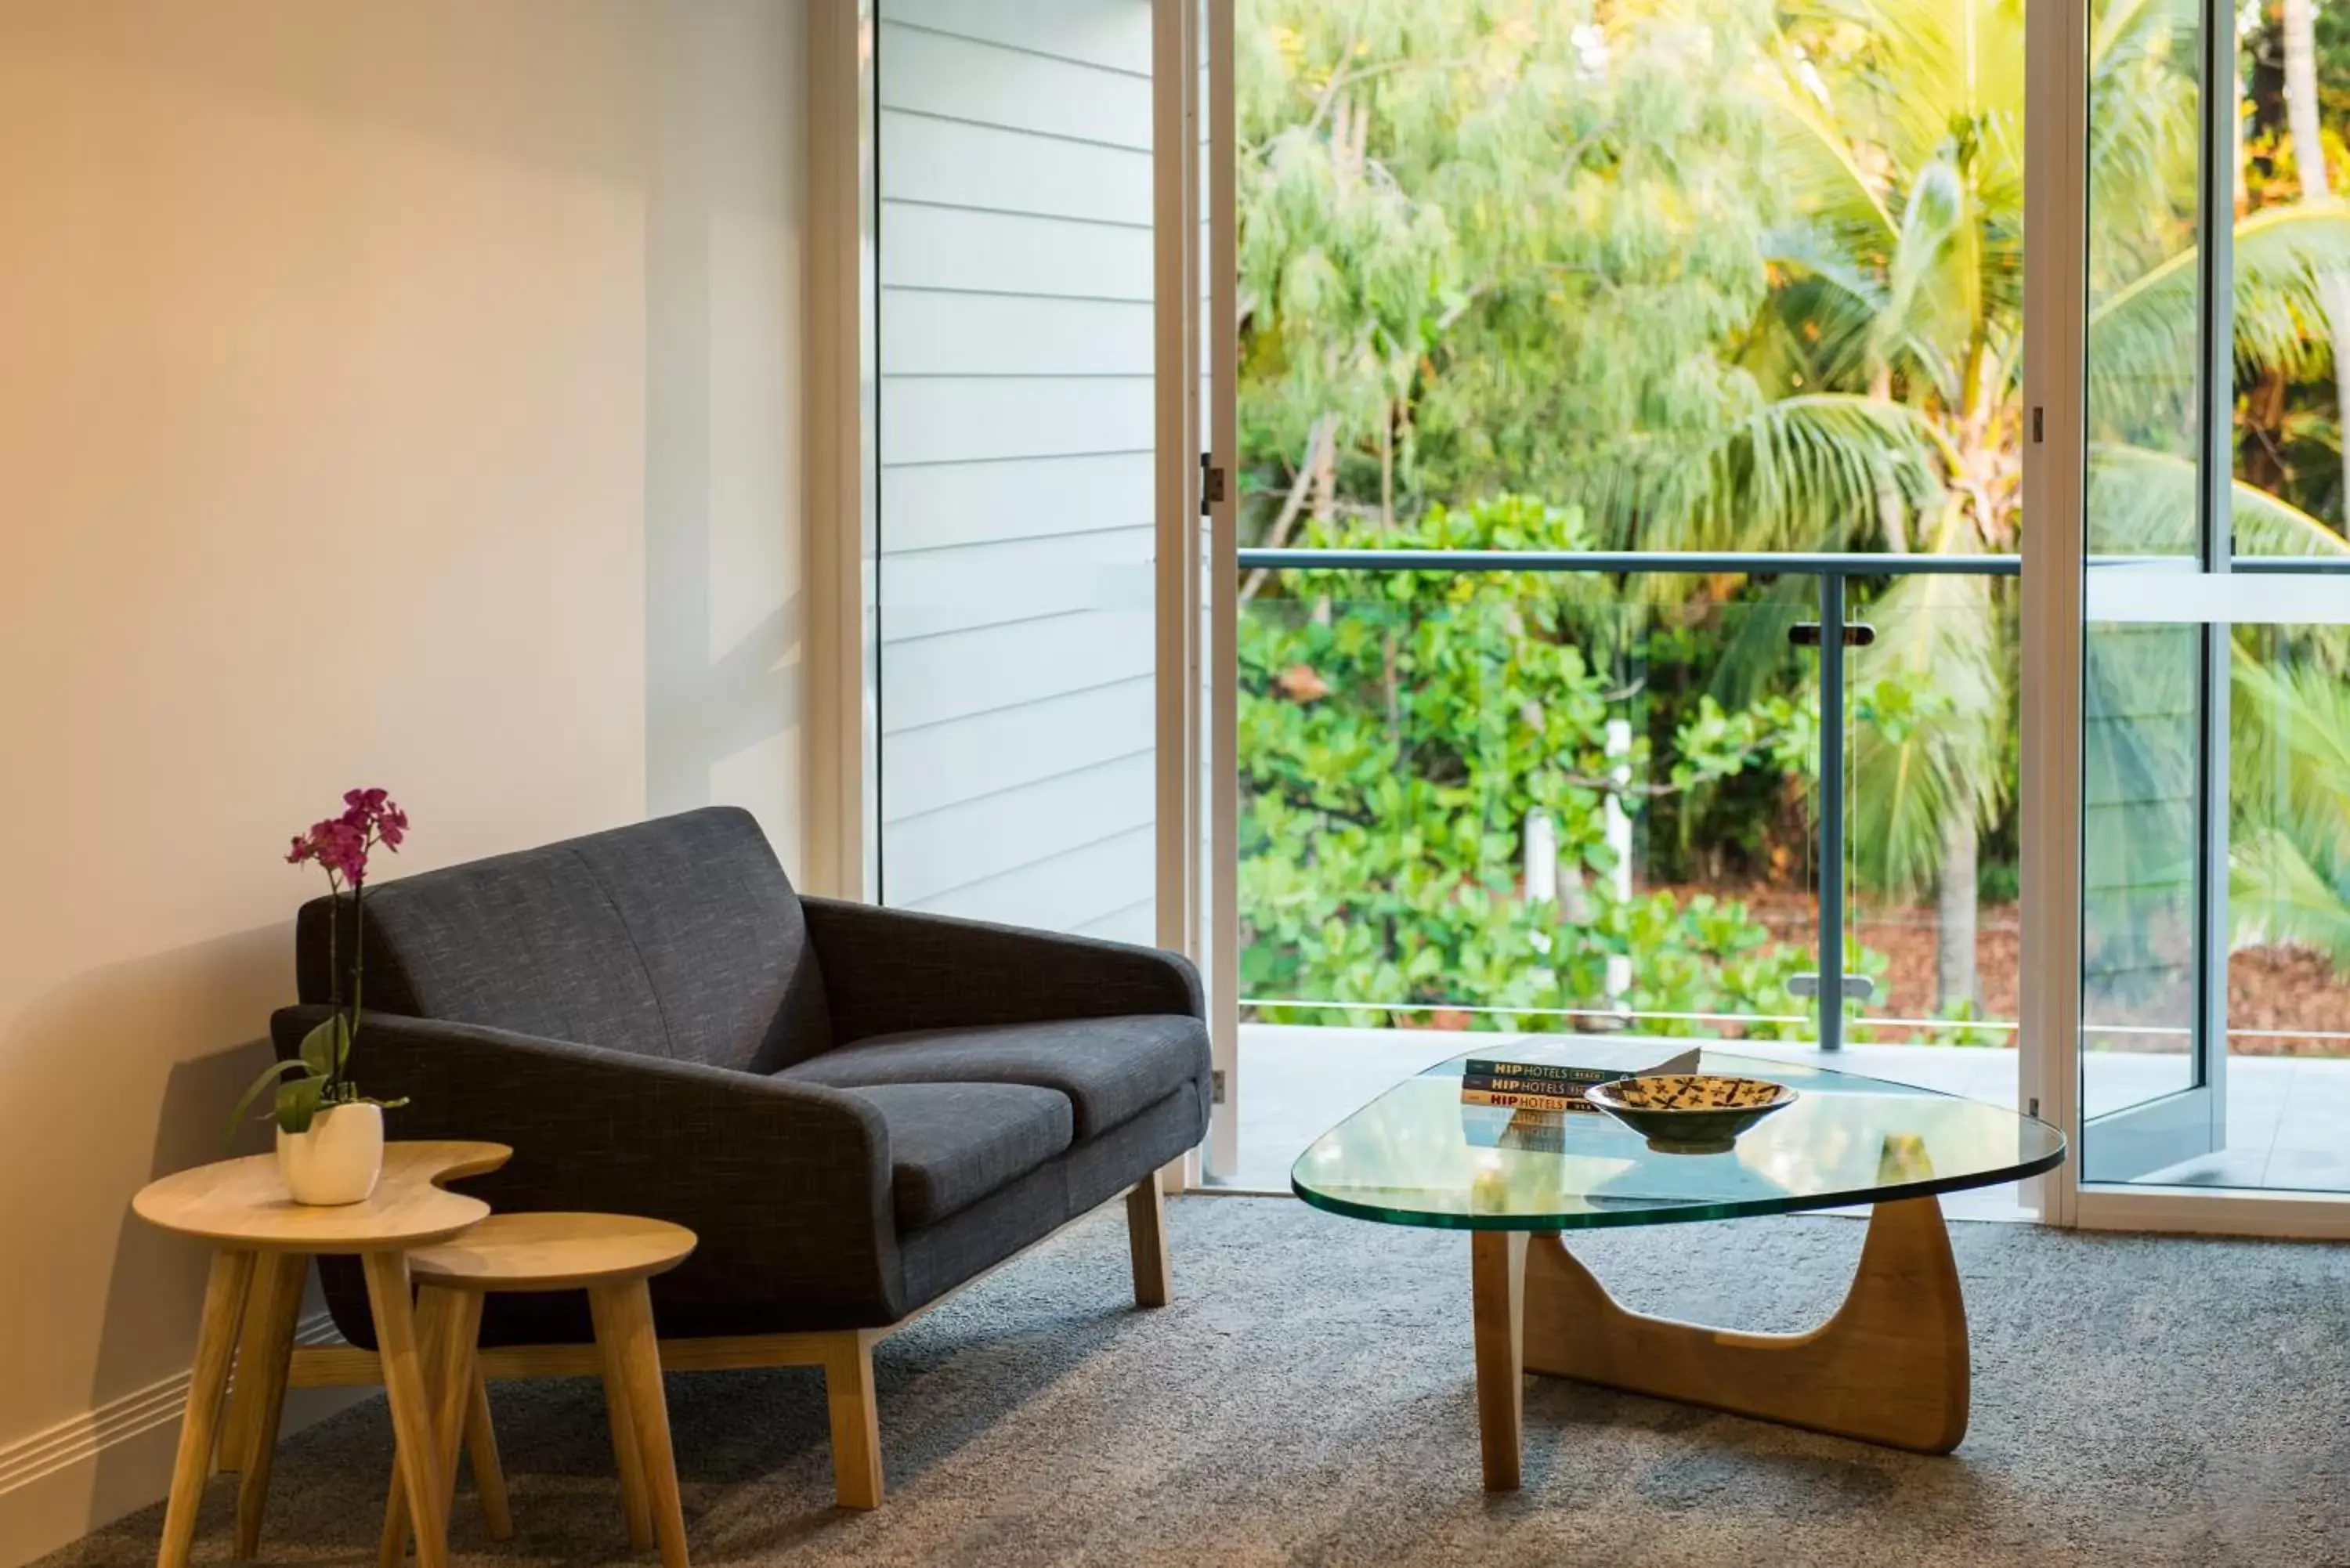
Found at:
<point>1112,1069</point>
<point>951,1144</point>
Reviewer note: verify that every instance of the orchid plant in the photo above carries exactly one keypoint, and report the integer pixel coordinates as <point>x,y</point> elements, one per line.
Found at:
<point>319,1076</point>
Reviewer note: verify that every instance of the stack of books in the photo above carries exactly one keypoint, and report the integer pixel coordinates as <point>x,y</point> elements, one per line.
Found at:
<point>1528,1132</point>
<point>1547,1085</point>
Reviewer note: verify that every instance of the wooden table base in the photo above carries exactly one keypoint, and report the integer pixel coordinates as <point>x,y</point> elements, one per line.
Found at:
<point>225,1296</point>
<point>1890,1366</point>
<point>262,1244</point>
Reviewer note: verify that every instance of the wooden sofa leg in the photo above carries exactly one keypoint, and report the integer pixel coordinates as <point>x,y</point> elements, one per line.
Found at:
<point>856,1418</point>
<point>1145,1234</point>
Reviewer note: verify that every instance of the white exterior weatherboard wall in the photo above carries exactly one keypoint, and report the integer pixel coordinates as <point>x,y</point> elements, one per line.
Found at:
<point>1016,474</point>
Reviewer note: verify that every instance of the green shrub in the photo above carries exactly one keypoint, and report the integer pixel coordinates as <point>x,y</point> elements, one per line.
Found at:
<point>1396,733</point>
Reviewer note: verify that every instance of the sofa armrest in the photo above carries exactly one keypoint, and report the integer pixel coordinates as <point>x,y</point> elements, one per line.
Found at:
<point>886,971</point>
<point>787,1185</point>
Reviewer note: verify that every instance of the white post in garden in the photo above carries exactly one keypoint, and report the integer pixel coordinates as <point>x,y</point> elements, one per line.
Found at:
<point>1542,866</point>
<point>1542,858</point>
<point>1619,835</point>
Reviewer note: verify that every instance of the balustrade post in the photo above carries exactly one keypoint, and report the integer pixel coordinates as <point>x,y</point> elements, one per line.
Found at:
<point>1830,809</point>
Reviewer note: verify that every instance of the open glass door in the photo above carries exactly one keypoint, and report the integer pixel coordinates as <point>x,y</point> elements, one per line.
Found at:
<point>2150,1085</point>
<point>2212,866</point>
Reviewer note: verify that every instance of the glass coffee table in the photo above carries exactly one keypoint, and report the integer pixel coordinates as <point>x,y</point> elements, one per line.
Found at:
<point>1890,1366</point>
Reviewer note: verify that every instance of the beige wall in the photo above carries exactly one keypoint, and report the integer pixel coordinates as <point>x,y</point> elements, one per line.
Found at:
<point>400,394</point>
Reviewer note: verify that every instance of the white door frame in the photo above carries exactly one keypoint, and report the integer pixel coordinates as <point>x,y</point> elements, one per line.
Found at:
<point>1195,210</point>
<point>840,848</point>
<point>1222,769</point>
<point>1180,433</point>
<point>2055,291</point>
<point>2055,607</point>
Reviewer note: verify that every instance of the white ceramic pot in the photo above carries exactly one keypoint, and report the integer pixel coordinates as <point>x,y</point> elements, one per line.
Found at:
<point>338,1160</point>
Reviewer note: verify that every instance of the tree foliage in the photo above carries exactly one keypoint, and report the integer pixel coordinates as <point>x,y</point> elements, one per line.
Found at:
<point>1696,274</point>
<point>1398,733</point>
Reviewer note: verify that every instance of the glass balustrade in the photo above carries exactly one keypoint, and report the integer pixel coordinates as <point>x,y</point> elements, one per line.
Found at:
<point>1577,793</point>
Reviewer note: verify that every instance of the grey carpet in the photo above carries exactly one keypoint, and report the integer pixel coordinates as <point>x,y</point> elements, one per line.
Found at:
<point>1307,1398</point>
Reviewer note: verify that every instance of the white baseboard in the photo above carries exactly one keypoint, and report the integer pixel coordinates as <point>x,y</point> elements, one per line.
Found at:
<point>89,1470</point>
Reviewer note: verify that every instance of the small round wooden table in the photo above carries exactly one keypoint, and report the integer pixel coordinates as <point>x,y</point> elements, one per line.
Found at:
<point>609,1256</point>
<point>242,1207</point>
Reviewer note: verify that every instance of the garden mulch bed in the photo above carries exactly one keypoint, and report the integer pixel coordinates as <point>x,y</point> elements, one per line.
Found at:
<point>2272,990</point>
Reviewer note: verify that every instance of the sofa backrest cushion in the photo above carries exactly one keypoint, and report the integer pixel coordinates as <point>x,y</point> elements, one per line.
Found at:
<point>680,937</point>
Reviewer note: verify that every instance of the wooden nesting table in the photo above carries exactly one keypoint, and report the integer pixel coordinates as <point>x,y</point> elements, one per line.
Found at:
<point>609,1256</point>
<point>263,1243</point>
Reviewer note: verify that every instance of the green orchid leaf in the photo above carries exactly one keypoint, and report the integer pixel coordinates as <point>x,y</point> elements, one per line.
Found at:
<point>261,1086</point>
<point>325,1048</point>
<point>298,1102</point>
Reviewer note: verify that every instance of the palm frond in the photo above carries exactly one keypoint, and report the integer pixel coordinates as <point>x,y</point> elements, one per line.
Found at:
<point>1799,473</point>
<point>2123,31</point>
<point>2143,503</point>
<point>2290,748</point>
<point>1934,291</point>
<point>2143,112</point>
<point>1936,706</point>
<point>2276,894</point>
<point>2142,336</point>
<point>1826,316</point>
<point>1823,175</point>
<point>1933,70</point>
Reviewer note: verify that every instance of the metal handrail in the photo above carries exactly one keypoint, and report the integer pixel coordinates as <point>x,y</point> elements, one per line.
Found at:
<point>1834,570</point>
<point>1753,562</point>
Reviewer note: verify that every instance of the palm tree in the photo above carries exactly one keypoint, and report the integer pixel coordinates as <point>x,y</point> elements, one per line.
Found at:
<point>2299,28</point>
<point>1887,365</point>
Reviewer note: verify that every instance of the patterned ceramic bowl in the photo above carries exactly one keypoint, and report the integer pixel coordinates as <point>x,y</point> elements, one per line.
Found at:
<point>1689,1113</point>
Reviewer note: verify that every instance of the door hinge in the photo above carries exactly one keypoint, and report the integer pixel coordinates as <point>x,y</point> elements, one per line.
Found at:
<point>1211,483</point>
<point>2032,1110</point>
<point>2038,426</point>
<point>1216,1086</point>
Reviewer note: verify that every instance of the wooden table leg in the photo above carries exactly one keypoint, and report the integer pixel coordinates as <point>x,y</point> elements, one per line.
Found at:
<point>233,1440</point>
<point>261,1358</point>
<point>225,1294</point>
<point>634,1507</point>
<point>624,1309</point>
<point>447,1326</point>
<point>482,1448</point>
<point>405,1390</point>
<point>1890,1366</point>
<point>1497,1279</point>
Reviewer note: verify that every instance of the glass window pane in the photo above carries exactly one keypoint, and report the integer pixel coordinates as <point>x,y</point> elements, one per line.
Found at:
<point>2142,422</point>
<point>2288,1064</point>
<point>1932,826</point>
<point>2292,318</point>
<point>2141,731</point>
<point>2215,853</point>
<point>1524,803</point>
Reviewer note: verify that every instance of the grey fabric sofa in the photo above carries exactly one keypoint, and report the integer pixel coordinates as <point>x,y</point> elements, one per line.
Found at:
<point>856,1109</point>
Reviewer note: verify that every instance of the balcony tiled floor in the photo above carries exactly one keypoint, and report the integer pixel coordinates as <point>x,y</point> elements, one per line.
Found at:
<point>2288,1118</point>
